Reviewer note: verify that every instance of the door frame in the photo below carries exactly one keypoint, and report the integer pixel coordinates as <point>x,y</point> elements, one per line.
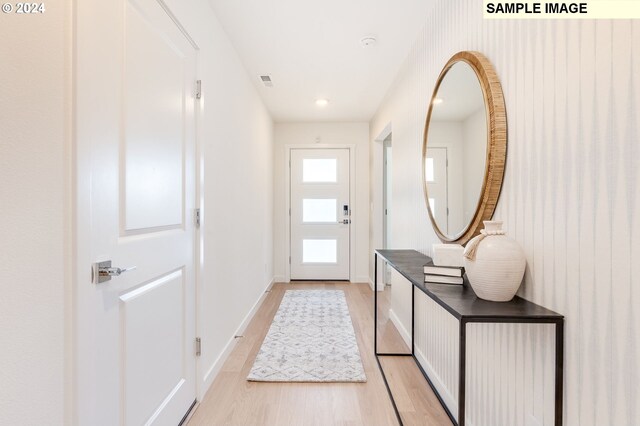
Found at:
<point>377,213</point>
<point>198,237</point>
<point>387,172</point>
<point>287,196</point>
<point>446,176</point>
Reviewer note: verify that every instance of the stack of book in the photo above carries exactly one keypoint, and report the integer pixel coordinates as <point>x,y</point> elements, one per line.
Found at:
<point>443,274</point>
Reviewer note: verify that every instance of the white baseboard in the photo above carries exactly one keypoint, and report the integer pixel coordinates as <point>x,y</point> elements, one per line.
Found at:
<point>406,336</point>
<point>380,285</point>
<point>280,279</point>
<point>449,400</point>
<point>214,369</point>
<point>361,279</point>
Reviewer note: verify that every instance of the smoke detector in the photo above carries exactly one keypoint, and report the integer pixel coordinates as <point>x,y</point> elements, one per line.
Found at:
<point>368,41</point>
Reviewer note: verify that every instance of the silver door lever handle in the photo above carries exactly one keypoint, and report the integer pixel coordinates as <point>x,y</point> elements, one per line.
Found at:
<point>103,271</point>
<point>114,272</point>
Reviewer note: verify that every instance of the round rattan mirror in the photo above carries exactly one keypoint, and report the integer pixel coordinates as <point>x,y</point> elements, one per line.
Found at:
<point>464,148</point>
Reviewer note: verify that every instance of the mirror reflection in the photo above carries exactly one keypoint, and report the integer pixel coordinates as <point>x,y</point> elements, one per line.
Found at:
<point>455,159</point>
<point>394,310</point>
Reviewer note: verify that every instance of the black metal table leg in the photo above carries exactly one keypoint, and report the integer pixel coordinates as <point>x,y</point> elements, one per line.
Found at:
<point>413,320</point>
<point>375,304</point>
<point>559,370</point>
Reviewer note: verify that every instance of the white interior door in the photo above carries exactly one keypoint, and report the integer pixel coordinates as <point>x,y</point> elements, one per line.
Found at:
<point>436,176</point>
<point>320,214</point>
<point>135,124</point>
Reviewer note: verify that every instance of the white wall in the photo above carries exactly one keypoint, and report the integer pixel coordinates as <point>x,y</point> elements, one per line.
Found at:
<point>34,215</point>
<point>236,145</point>
<point>571,198</point>
<point>329,133</point>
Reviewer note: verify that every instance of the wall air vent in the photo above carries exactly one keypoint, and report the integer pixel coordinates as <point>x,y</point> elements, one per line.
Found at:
<point>266,79</point>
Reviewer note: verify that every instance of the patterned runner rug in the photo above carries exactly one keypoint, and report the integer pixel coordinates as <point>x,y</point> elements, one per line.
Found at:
<point>311,339</point>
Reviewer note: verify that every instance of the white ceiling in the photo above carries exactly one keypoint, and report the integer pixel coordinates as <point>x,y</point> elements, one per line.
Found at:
<point>311,49</point>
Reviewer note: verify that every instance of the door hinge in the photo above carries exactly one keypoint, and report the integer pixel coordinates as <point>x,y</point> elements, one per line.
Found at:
<point>198,346</point>
<point>197,218</point>
<point>198,89</point>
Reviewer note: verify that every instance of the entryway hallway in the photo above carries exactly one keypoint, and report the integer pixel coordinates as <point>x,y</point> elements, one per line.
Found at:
<point>232,400</point>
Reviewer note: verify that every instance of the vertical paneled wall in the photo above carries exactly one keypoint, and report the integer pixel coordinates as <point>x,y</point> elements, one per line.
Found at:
<point>438,348</point>
<point>571,198</point>
<point>510,374</point>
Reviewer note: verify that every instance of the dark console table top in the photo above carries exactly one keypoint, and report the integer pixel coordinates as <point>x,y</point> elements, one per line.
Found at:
<point>460,300</point>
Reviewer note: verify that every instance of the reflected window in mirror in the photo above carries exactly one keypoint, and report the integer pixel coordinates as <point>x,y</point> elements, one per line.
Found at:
<point>428,167</point>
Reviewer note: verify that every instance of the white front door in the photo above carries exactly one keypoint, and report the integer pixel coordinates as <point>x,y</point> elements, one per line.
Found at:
<point>436,176</point>
<point>135,130</point>
<point>320,214</point>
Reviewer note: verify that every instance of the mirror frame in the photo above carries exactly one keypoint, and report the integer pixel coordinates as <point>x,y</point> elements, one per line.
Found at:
<point>495,161</point>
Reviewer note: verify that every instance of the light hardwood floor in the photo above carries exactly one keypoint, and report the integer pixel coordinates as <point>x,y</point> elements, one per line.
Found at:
<point>232,400</point>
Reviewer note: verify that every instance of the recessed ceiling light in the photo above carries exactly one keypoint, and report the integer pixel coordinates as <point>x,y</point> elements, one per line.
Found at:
<point>437,101</point>
<point>368,41</point>
<point>322,102</point>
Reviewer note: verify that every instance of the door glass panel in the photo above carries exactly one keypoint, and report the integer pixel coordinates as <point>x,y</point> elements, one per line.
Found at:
<point>319,170</point>
<point>319,251</point>
<point>319,210</point>
<point>428,170</point>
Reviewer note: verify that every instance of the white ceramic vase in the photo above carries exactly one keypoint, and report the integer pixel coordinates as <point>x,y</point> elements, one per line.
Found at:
<point>496,271</point>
